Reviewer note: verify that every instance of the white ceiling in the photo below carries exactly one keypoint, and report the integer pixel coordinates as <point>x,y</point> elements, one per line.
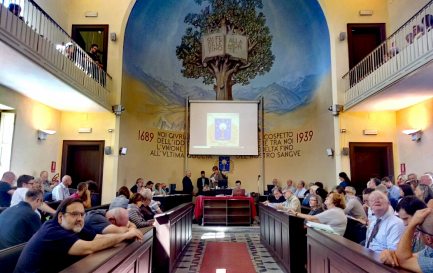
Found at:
<point>28,78</point>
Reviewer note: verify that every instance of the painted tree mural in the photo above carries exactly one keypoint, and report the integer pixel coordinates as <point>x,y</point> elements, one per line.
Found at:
<point>227,43</point>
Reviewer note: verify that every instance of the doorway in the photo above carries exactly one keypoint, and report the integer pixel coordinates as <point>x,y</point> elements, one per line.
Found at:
<point>86,35</point>
<point>362,39</point>
<point>83,160</point>
<point>370,159</point>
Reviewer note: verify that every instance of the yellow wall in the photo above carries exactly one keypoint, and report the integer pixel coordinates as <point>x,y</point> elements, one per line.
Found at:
<point>418,156</point>
<point>30,155</point>
<point>400,11</point>
<point>100,124</point>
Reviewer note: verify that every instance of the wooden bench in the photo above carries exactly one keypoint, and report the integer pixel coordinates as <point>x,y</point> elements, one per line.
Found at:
<point>173,232</point>
<point>9,257</point>
<point>133,256</point>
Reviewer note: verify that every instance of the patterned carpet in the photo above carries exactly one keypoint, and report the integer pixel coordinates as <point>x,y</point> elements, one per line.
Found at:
<point>192,259</point>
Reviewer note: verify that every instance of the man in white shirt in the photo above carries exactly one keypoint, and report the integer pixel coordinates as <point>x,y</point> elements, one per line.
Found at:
<point>300,189</point>
<point>61,191</point>
<point>385,231</point>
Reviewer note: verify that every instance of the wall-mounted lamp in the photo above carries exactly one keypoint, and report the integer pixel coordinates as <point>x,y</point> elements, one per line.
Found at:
<point>329,152</point>
<point>414,133</point>
<point>42,133</point>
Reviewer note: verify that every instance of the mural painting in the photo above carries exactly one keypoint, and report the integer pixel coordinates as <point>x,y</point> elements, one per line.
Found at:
<point>227,50</point>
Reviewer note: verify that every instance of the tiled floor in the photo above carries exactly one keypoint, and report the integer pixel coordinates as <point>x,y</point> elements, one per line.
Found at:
<point>192,259</point>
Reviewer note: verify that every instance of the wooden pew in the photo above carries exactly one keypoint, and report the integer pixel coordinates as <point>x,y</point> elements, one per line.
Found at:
<point>173,232</point>
<point>171,201</point>
<point>332,253</point>
<point>284,238</point>
<point>9,258</point>
<point>125,257</point>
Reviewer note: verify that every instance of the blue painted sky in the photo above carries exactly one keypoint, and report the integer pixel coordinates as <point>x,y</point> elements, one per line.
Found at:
<point>300,41</point>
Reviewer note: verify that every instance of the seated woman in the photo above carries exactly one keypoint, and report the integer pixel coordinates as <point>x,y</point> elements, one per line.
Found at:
<point>122,200</point>
<point>158,190</point>
<point>154,205</point>
<point>424,193</point>
<point>135,213</point>
<point>316,204</point>
<point>333,216</point>
<point>83,193</point>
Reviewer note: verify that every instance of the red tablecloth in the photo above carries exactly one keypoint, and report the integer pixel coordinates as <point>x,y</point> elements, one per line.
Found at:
<point>198,210</point>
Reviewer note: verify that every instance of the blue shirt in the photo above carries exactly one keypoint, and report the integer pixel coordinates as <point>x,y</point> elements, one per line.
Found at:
<point>18,223</point>
<point>390,231</point>
<point>47,250</point>
<point>394,192</point>
<point>425,260</point>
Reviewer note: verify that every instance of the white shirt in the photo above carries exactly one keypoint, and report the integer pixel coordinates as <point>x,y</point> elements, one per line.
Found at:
<point>60,192</point>
<point>300,193</point>
<point>334,217</point>
<point>20,195</point>
<point>391,229</point>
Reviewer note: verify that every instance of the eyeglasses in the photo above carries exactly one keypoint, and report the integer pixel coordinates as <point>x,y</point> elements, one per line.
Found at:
<point>75,214</point>
<point>419,228</point>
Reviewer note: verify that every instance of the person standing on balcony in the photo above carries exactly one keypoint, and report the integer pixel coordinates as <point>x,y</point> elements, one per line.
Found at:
<point>96,70</point>
<point>15,9</point>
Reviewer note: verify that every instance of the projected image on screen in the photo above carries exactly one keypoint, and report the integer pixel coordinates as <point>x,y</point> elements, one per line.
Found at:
<point>222,129</point>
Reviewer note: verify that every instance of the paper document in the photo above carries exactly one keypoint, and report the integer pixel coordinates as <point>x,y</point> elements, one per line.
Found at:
<point>322,227</point>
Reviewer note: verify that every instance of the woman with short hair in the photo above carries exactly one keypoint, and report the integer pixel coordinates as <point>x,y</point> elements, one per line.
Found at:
<point>135,214</point>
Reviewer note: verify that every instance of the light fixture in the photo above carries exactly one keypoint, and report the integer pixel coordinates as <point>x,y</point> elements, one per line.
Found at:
<point>42,133</point>
<point>414,133</point>
<point>329,152</point>
<point>84,130</point>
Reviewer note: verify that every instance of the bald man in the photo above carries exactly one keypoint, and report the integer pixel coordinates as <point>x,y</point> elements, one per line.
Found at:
<point>188,188</point>
<point>61,191</point>
<point>101,221</point>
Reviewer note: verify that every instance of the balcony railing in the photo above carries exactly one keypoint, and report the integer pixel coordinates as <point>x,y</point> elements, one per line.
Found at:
<point>407,49</point>
<point>27,28</point>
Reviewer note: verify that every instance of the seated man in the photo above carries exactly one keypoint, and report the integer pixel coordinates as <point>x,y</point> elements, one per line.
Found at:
<point>292,202</point>
<point>385,230</point>
<point>238,191</point>
<point>6,190</point>
<point>276,197</point>
<point>63,241</point>
<point>353,205</point>
<point>101,221</point>
<point>18,223</point>
<point>422,261</point>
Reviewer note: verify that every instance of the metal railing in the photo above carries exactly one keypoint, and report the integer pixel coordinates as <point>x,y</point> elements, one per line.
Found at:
<point>407,49</point>
<point>31,27</point>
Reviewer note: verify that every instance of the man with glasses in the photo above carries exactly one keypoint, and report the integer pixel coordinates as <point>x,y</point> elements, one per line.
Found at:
<point>25,183</point>
<point>20,222</point>
<point>422,261</point>
<point>62,241</point>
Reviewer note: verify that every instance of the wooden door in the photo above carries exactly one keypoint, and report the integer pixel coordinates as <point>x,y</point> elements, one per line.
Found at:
<point>83,160</point>
<point>363,39</point>
<point>370,159</point>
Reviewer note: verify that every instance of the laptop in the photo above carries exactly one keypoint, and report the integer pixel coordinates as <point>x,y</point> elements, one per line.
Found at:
<point>238,192</point>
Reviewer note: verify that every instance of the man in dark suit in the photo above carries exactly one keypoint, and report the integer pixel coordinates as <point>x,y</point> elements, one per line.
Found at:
<point>201,181</point>
<point>187,183</point>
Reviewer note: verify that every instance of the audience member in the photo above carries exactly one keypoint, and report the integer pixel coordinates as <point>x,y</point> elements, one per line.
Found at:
<point>158,190</point>
<point>62,241</point>
<point>139,183</point>
<point>365,194</point>
<point>188,188</point>
<point>45,183</point>
<point>289,185</point>
<point>422,261</point>
<point>291,203</point>
<point>61,191</point>
<point>344,179</point>
<point>136,215</point>
<point>154,205</point>
<point>300,189</point>
<point>333,215</point>
<point>101,221</point>
<point>406,209</point>
<point>401,179</point>
<point>393,190</point>
<point>93,53</point>
<point>276,197</point>
<point>353,206</point>
<point>18,223</point>
<point>405,190</point>
<point>83,193</point>
<point>424,193</point>
<point>202,181</point>
<point>121,200</point>
<point>426,179</point>
<point>312,190</point>
<point>385,229</point>
<point>37,184</point>
<point>412,176</point>
<point>6,190</point>
<point>95,197</point>
<point>316,204</point>
<point>373,183</point>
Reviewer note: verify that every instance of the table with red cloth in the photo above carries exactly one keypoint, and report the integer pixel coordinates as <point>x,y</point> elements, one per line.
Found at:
<point>198,210</point>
